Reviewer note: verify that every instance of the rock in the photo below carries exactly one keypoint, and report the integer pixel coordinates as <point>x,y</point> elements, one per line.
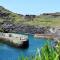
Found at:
<point>9,27</point>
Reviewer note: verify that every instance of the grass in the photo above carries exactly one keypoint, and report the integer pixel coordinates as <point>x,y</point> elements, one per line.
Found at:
<point>44,22</point>
<point>40,20</point>
<point>46,53</point>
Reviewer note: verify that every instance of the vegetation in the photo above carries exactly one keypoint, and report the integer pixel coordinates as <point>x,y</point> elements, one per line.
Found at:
<point>45,19</point>
<point>46,53</point>
<point>6,15</point>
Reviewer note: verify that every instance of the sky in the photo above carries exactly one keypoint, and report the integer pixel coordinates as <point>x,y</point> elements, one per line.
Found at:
<point>31,6</point>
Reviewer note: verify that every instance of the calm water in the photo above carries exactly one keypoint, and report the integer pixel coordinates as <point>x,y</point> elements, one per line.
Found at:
<point>9,53</point>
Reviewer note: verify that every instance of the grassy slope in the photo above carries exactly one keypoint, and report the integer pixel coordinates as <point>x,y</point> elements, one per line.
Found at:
<point>13,17</point>
<point>41,20</point>
<point>45,21</point>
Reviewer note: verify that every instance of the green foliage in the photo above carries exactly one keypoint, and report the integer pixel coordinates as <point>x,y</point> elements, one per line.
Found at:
<point>45,53</point>
<point>41,21</point>
<point>58,47</point>
<point>6,15</point>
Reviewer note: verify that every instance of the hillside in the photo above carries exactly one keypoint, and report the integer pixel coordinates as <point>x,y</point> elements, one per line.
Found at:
<point>45,19</point>
<point>6,15</point>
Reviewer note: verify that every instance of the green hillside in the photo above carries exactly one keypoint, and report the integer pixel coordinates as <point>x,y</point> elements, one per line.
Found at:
<point>45,19</point>
<point>6,15</point>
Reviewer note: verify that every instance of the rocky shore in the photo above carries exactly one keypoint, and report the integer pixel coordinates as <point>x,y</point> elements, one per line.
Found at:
<point>10,27</point>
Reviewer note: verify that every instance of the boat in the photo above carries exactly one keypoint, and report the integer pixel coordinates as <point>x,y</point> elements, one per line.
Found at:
<point>14,40</point>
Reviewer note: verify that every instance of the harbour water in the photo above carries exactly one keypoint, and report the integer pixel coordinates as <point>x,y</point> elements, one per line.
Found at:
<point>10,53</point>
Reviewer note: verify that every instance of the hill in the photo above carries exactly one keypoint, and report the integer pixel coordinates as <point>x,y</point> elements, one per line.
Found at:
<point>45,19</point>
<point>6,15</point>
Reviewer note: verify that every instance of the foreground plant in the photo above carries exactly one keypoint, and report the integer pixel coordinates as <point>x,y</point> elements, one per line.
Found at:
<point>45,53</point>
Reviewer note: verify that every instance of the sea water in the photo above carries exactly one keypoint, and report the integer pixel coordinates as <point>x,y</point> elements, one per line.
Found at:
<point>10,53</point>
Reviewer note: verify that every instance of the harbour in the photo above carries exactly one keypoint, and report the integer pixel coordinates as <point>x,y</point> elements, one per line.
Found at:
<point>13,53</point>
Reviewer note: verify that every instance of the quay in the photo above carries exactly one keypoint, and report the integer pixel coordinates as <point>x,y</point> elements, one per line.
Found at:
<point>51,33</point>
<point>14,40</point>
<point>47,36</point>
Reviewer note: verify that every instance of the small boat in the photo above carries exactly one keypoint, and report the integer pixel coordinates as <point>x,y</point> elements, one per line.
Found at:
<point>14,40</point>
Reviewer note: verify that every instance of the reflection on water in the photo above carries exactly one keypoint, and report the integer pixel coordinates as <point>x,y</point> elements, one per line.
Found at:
<point>9,53</point>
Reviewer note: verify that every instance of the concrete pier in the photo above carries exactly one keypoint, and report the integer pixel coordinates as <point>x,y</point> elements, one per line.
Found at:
<point>14,40</point>
<point>47,36</point>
